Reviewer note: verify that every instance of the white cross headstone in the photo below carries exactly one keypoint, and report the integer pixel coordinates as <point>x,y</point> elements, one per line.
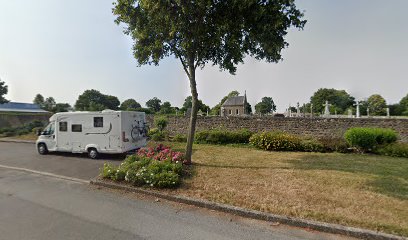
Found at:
<point>368,112</point>
<point>388,112</point>
<point>358,109</point>
<point>326,109</point>
<point>311,109</point>
<point>297,110</point>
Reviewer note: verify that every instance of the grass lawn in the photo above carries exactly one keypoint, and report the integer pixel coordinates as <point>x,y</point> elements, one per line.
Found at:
<point>367,191</point>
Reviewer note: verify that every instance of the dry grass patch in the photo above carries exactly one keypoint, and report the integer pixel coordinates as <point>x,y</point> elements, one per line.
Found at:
<point>366,191</point>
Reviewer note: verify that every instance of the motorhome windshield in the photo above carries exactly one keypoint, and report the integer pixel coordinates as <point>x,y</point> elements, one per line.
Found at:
<point>49,129</point>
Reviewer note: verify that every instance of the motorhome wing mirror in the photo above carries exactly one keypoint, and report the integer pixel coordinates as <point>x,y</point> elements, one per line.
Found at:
<point>38,132</point>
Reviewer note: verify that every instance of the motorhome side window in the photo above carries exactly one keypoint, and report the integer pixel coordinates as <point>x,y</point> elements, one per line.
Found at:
<point>76,128</point>
<point>98,122</point>
<point>63,126</point>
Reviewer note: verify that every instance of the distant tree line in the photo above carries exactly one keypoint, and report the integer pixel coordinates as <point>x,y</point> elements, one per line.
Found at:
<point>340,102</point>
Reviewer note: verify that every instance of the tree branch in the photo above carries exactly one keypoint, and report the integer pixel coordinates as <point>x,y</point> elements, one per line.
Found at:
<point>181,60</point>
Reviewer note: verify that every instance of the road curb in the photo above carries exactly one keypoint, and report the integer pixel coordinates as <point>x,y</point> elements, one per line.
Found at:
<point>314,225</point>
<point>16,141</point>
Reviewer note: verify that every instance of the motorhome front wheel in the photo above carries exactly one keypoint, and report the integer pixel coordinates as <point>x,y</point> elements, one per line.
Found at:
<point>42,149</point>
<point>92,153</point>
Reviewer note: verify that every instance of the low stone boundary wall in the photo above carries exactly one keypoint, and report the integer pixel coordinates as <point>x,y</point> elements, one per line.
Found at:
<point>313,127</point>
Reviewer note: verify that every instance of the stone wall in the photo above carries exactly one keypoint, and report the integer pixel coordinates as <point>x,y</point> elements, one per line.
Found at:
<point>18,119</point>
<point>316,127</point>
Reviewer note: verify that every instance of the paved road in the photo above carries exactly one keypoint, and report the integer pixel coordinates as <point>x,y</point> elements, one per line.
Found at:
<point>40,207</point>
<point>24,155</point>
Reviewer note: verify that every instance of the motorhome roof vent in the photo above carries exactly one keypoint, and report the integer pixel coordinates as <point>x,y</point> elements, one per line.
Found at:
<point>107,110</point>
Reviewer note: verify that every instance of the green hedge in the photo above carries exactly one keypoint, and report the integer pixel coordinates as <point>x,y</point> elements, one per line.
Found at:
<point>367,139</point>
<point>217,136</point>
<point>276,141</point>
<point>394,150</point>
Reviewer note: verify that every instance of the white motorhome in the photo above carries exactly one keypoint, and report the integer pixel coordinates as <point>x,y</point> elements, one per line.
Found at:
<point>94,132</point>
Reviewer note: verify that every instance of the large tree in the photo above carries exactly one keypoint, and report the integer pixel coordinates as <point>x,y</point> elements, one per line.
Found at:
<point>166,108</point>
<point>3,91</point>
<point>188,103</point>
<point>203,31</point>
<point>130,104</point>
<point>339,99</point>
<point>93,100</point>
<point>154,104</point>
<point>377,105</point>
<point>39,100</point>
<point>266,105</point>
<point>404,105</point>
<point>49,104</point>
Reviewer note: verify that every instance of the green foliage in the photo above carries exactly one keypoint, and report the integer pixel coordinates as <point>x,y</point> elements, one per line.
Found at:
<point>404,105</point>
<point>188,104</point>
<point>180,138</point>
<point>335,144</point>
<point>93,100</point>
<point>377,105</point>
<point>154,104</point>
<point>217,136</point>
<point>200,32</point>
<point>166,108</point>
<point>61,107</point>
<point>161,123</point>
<point>276,141</point>
<point>129,104</point>
<point>339,99</point>
<point>144,171</point>
<point>153,131</point>
<point>394,150</point>
<point>156,135</point>
<point>367,139</point>
<point>49,104</point>
<point>3,91</point>
<point>312,145</point>
<point>385,135</point>
<point>108,171</point>
<point>265,106</point>
<point>159,136</point>
<point>397,109</point>
<point>39,100</point>
<point>22,130</point>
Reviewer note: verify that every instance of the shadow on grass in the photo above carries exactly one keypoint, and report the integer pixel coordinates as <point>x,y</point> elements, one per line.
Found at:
<point>390,174</point>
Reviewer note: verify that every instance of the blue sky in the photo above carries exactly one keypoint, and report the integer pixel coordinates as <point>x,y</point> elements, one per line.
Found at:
<point>61,48</point>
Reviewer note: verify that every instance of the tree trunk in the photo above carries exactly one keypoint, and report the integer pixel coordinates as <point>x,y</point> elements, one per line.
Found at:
<point>194,109</point>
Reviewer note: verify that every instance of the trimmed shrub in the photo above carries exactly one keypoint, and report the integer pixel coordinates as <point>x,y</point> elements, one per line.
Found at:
<point>158,136</point>
<point>385,135</point>
<point>108,171</point>
<point>179,138</point>
<point>161,123</point>
<point>394,150</point>
<point>334,144</point>
<point>152,131</point>
<point>312,145</point>
<point>217,136</point>
<point>367,139</point>
<point>276,141</point>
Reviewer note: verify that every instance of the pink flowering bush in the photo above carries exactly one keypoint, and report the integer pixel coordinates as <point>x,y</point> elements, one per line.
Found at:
<point>161,153</point>
<point>154,167</point>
